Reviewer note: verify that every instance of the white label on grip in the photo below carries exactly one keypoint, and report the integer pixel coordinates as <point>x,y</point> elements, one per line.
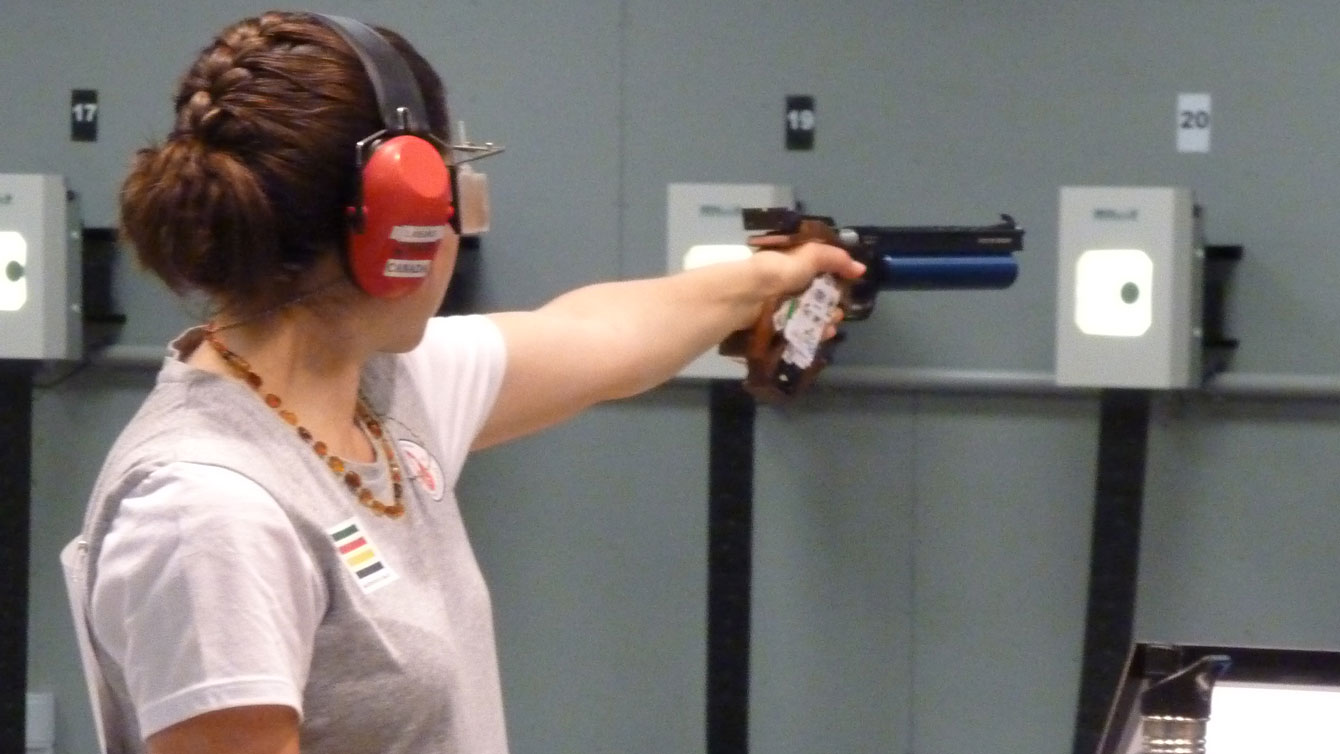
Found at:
<point>802,320</point>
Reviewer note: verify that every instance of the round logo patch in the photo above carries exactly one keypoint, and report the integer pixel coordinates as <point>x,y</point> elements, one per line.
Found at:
<point>423,469</point>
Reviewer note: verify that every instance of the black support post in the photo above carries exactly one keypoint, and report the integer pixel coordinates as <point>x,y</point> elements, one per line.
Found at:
<point>1114,558</point>
<point>16,406</point>
<point>729,557</point>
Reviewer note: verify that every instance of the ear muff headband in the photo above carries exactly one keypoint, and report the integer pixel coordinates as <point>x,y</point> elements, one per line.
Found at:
<point>392,80</point>
<point>402,201</point>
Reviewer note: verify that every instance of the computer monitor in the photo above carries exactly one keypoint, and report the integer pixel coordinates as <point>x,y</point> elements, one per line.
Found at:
<point>1268,699</point>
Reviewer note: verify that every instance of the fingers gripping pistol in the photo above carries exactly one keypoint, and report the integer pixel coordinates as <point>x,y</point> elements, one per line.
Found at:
<point>785,349</point>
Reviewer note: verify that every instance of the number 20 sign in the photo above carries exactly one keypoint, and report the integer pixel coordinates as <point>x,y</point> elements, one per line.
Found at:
<point>1193,123</point>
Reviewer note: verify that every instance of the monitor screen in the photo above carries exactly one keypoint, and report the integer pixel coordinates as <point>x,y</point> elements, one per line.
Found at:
<point>1247,718</point>
<point>1269,700</point>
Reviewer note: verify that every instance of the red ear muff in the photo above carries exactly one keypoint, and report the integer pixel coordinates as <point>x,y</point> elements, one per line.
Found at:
<point>407,208</point>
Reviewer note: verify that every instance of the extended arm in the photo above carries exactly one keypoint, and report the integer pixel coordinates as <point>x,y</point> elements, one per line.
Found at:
<point>613,340</point>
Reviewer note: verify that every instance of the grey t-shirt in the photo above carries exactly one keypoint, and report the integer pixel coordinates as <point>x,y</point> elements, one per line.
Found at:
<point>230,566</point>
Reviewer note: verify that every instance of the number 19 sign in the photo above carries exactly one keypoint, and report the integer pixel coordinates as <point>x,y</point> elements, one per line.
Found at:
<point>800,122</point>
<point>1193,123</point>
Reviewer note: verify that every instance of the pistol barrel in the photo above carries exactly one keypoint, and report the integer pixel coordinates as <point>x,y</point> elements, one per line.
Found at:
<point>939,257</point>
<point>908,257</point>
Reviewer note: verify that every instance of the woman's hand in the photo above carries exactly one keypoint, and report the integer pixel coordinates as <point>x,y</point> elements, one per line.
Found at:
<point>789,270</point>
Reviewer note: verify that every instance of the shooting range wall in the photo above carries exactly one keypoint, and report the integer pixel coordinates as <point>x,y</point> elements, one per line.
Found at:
<point>921,554</point>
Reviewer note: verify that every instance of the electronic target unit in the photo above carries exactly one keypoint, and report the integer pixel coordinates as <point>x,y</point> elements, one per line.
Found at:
<point>1138,302</point>
<point>40,269</point>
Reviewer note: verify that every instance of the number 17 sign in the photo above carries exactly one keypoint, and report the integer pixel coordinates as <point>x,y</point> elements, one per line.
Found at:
<point>84,115</point>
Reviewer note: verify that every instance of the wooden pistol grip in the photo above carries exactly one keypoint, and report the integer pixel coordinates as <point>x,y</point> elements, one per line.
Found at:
<point>762,345</point>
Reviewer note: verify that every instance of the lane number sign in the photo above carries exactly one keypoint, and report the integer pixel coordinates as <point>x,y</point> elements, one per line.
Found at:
<point>800,122</point>
<point>1193,123</point>
<point>84,115</point>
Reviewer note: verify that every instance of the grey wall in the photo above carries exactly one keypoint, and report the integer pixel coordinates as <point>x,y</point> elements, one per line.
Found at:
<point>921,556</point>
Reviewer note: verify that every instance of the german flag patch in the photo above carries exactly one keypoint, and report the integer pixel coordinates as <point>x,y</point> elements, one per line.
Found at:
<point>360,557</point>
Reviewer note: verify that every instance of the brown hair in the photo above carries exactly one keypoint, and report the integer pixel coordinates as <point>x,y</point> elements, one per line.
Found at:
<point>250,187</point>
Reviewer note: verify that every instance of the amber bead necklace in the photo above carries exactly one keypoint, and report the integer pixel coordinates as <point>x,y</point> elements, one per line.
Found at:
<point>336,464</point>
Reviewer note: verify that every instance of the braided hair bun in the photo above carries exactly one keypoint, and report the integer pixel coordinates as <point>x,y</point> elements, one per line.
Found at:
<point>250,187</point>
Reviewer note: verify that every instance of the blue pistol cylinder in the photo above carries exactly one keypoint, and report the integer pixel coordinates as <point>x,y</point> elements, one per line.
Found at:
<point>951,271</point>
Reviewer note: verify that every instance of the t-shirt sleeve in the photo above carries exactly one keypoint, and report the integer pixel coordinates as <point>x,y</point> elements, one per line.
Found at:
<point>459,369</point>
<point>205,597</point>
